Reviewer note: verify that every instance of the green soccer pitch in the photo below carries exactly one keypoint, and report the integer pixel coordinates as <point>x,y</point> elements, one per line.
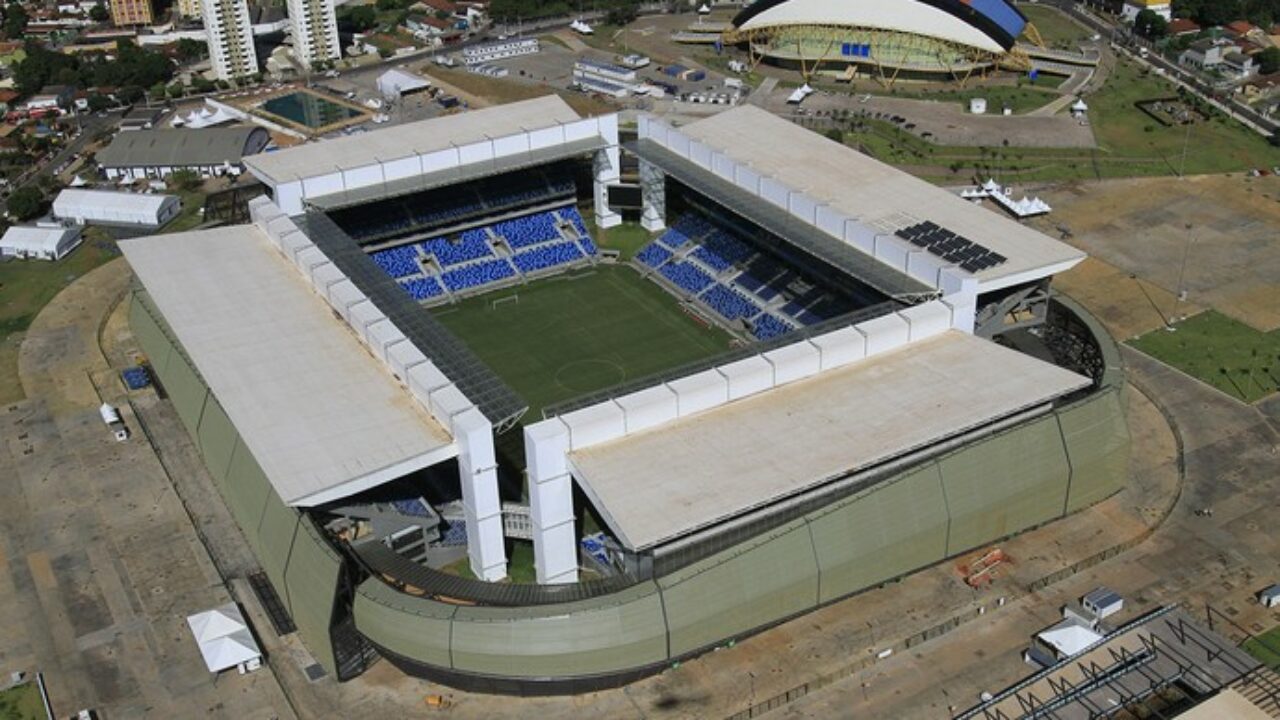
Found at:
<point>557,338</point>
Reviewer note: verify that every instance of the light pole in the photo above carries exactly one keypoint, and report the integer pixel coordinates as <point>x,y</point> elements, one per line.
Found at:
<point>1182,271</point>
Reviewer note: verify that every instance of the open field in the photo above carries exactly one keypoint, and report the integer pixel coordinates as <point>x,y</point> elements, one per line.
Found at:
<point>28,285</point>
<point>1222,352</point>
<point>21,702</point>
<point>1212,236</point>
<point>1056,29</point>
<point>574,334</point>
<point>1130,143</point>
<point>499,91</point>
<point>1265,647</point>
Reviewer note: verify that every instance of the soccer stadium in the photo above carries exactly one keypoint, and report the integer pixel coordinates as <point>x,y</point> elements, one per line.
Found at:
<point>464,435</point>
<point>923,39</point>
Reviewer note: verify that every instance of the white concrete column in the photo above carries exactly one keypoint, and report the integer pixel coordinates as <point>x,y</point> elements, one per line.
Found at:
<point>653,193</point>
<point>478,474</point>
<point>607,169</point>
<point>555,542</point>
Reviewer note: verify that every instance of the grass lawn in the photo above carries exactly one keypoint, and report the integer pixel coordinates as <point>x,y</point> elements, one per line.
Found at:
<point>1220,351</point>
<point>574,334</point>
<point>1265,647</point>
<point>190,216</point>
<point>520,568</point>
<point>21,702</point>
<point>26,286</point>
<point>1056,29</point>
<point>626,238</point>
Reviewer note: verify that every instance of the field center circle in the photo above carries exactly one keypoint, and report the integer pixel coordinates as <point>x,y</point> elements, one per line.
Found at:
<point>589,374</point>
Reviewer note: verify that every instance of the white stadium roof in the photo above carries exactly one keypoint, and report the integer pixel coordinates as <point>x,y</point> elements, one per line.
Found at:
<point>416,138</point>
<point>877,194</point>
<point>321,416</point>
<point>755,451</point>
<point>909,16</point>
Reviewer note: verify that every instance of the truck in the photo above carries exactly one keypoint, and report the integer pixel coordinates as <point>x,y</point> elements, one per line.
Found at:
<point>111,417</point>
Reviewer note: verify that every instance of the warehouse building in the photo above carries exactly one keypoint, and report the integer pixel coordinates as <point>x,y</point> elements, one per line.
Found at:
<point>144,154</point>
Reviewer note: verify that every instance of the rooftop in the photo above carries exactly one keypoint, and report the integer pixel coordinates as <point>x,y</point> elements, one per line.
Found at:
<point>877,194</point>
<point>211,146</point>
<point>416,138</point>
<point>782,442</point>
<point>321,416</point>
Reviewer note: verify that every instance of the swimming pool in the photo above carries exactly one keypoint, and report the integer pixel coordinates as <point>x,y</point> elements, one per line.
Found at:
<point>309,109</point>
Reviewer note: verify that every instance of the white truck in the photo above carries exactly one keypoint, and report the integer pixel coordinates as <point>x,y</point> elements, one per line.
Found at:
<point>111,417</point>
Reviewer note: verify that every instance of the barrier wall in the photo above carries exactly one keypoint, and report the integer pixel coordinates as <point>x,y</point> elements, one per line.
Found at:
<point>975,495</point>
<point>303,567</point>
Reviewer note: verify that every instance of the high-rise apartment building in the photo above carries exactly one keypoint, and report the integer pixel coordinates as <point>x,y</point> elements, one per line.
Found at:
<point>230,38</point>
<point>315,31</point>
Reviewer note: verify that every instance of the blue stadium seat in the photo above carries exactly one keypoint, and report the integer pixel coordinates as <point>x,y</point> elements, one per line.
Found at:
<point>415,507</point>
<point>422,288</point>
<point>767,327</point>
<point>729,304</point>
<point>686,276</point>
<point>653,254</point>
<point>528,230</point>
<point>477,274</point>
<point>471,245</point>
<point>398,262</point>
<point>545,256</point>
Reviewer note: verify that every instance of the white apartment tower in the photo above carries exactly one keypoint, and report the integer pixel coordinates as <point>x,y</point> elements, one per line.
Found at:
<point>315,31</point>
<point>230,38</point>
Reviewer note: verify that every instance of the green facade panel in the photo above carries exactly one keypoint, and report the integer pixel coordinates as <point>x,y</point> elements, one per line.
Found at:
<point>275,539</point>
<point>881,533</point>
<point>609,634</point>
<point>1097,439</point>
<point>753,584</point>
<point>312,582</point>
<point>149,335</point>
<point>1005,483</point>
<point>246,492</point>
<point>218,439</point>
<point>413,627</point>
<point>187,392</point>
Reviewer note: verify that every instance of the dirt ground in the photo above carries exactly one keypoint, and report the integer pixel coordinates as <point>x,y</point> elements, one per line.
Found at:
<point>1213,236</point>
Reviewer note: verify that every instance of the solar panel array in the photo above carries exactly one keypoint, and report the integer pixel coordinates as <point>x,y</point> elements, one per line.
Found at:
<point>951,247</point>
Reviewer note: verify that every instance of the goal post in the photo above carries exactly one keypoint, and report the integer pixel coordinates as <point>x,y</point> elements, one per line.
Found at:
<point>513,298</point>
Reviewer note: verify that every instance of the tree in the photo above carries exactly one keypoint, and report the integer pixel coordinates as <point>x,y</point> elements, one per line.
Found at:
<point>15,21</point>
<point>186,180</point>
<point>360,19</point>
<point>1150,24</point>
<point>98,103</point>
<point>1269,60</point>
<point>189,50</point>
<point>98,13</point>
<point>26,202</point>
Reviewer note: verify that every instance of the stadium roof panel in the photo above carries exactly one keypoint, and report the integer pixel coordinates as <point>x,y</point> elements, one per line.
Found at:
<point>758,450</point>
<point>879,195</point>
<point>322,418</point>
<point>415,138</point>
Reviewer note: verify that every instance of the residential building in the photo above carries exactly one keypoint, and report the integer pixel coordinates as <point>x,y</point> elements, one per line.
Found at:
<point>1238,65</point>
<point>231,49</point>
<point>314,25</point>
<point>130,13</point>
<point>188,8</point>
<point>1206,54</point>
<point>51,99</point>
<point>425,25</point>
<point>157,153</point>
<point>1129,11</point>
<point>1183,26</point>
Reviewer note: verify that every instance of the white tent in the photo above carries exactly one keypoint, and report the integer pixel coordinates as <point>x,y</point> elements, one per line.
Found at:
<point>224,638</point>
<point>1069,637</point>
<point>395,82</point>
<point>46,242</point>
<point>204,117</point>
<point>800,94</point>
<point>115,208</point>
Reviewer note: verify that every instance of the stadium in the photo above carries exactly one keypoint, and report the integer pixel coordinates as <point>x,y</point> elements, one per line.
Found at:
<point>462,436</point>
<point>907,39</point>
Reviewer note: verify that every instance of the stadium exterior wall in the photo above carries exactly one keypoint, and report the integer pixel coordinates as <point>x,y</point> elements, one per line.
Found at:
<point>303,567</point>
<point>959,501</point>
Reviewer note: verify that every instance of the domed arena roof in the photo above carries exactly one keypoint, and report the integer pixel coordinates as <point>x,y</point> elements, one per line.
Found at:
<point>991,25</point>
